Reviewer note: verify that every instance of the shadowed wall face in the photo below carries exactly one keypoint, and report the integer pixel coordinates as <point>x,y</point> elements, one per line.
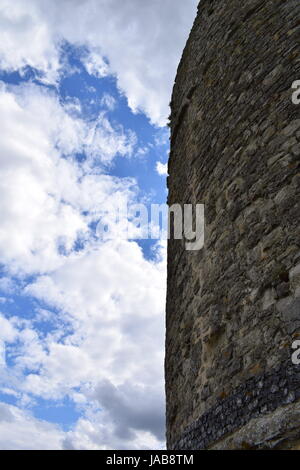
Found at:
<point>233,308</point>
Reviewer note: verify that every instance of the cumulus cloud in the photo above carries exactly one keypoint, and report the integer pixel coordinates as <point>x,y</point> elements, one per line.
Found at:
<point>106,296</point>
<point>20,430</point>
<point>132,407</point>
<point>103,303</point>
<point>20,23</point>
<point>42,195</point>
<point>110,299</point>
<point>142,41</point>
<point>105,352</point>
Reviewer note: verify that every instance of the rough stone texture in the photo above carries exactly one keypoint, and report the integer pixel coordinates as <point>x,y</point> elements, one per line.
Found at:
<point>277,430</point>
<point>255,398</point>
<point>233,308</point>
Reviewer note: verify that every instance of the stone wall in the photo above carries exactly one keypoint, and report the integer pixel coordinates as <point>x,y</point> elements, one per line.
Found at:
<point>233,308</point>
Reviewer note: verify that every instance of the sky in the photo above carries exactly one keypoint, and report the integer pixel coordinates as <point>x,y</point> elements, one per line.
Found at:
<point>85,87</point>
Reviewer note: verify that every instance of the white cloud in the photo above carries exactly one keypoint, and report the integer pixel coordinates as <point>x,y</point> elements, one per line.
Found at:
<point>125,413</point>
<point>131,417</point>
<point>105,303</point>
<point>108,343</point>
<point>95,64</point>
<point>162,168</point>
<point>7,331</point>
<point>105,141</point>
<point>42,195</point>
<point>143,42</point>
<point>109,297</point>
<point>7,285</point>
<point>106,296</point>
<point>20,23</point>
<point>19,430</point>
<point>108,101</point>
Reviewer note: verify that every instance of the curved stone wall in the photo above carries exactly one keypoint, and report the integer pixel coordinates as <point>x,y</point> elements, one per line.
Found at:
<point>233,308</point>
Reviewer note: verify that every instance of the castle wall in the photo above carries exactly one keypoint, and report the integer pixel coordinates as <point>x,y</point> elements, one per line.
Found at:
<point>233,308</point>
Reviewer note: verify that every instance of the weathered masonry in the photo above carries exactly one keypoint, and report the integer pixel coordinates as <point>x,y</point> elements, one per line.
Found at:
<point>233,308</point>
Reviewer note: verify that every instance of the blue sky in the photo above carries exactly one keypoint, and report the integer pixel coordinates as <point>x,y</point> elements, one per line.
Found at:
<point>84,92</point>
